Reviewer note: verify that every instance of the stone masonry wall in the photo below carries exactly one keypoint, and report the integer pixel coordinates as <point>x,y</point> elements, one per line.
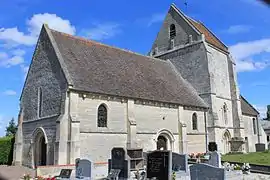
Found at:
<point>48,125</point>
<point>96,143</point>
<point>183,30</point>
<point>44,73</point>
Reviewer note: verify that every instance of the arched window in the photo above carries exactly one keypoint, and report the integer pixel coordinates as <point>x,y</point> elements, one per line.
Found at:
<point>40,101</point>
<point>194,122</point>
<point>254,126</point>
<point>225,113</point>
<point>172,31</point>
<point>102,116</point>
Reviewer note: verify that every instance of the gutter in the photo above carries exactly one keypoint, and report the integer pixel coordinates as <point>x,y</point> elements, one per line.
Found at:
<point>206,132</point>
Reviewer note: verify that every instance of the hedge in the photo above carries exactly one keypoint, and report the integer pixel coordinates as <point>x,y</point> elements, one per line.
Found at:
<point>6,150</point>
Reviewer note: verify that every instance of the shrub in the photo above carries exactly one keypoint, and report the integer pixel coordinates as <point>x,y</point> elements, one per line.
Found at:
<point>6,149</point>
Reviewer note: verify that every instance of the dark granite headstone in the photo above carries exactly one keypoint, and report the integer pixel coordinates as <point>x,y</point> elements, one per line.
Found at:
<point>119,161</point>
<point>260,147</point>
<point>203,171</point>
<point>179,162</point>
<point>159,165</point>
<point>212,146</point>
<point>83,168</point>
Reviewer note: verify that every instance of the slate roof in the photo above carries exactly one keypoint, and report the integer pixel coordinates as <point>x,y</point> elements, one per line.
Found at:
<point>98,68</point>
<point>209,36</point>
<point>247,108</point>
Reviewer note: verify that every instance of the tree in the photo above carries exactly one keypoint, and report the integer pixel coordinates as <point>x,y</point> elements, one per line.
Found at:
<point>11,128</point>
<point>267,113</point>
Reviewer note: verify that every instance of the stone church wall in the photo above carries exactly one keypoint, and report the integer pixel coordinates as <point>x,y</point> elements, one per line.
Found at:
<point>44,73</point>
<point>196,141</point>
<point>151,120</point>
<point>49,125</point>
<point>96,142</point>
<point>218,67</point>
<point>249,133</point>
<point>183,30</point>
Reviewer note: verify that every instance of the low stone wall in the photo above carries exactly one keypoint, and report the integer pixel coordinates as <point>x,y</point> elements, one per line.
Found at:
<point>53,170</point>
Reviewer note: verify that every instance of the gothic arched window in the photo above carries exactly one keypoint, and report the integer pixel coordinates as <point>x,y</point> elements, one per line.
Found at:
<point>194,121</point>
<point>40,101</point>
<point>102,116</point>
<point>225,113</point>
<point>254,126</point>
<point>172,31</point>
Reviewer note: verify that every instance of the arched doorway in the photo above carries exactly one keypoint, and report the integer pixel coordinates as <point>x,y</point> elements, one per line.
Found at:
<point>162,143</point>
<point>164,140</point>
<point>226,142</point>
<point>40,148</point>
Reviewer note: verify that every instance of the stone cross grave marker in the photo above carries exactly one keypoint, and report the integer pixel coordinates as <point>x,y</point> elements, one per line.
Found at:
<point>206,172</point>
<point>120,161</point>
<point>83,168</point>
<point>159,165</point>
<point>215,159</point>
<point>179,162</point>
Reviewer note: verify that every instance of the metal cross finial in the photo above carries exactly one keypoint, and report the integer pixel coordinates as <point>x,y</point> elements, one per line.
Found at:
<point>186,4</point>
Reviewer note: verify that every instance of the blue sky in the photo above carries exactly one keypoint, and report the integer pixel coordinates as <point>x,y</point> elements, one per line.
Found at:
<point>243,25</point>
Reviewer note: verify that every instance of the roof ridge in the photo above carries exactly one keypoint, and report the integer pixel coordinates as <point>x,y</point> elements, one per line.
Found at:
<point>106,45</point>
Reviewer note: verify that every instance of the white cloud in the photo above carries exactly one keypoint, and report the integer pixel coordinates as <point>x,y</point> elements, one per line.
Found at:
<point>235,29</point>
<point>262,109</point>
<point>154,18</point>
<point>8,61</point>
<point>10,92</point>
<point>13,37</point>
<point>260,83</point>
<point>102,31</point>
<point>18,52</point>
<point>244,51</point>
<point>24,70</point>
<point>54,22</point>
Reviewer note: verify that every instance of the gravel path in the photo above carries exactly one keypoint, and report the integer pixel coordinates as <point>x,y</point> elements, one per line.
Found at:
<point>14,172</point>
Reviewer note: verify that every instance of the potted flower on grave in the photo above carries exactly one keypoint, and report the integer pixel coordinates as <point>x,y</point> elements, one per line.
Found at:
<point>246,168</point>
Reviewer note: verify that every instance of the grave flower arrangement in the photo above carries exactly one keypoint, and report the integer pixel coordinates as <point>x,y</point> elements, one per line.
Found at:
<point>246,168</point>
<point>237,167</point>
<point>192,155</point>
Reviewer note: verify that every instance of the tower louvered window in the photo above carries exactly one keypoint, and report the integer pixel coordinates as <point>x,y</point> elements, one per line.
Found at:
<point>172,31</point>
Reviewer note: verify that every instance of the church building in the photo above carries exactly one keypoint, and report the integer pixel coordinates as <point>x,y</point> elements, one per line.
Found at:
<point>81,98</point>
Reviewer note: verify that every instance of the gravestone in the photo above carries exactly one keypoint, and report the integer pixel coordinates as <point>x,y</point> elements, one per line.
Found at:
<point>215,159</point>
<point>159,165</point>
<point>136,158</point>
<point>206,172</point>
<point>114,174</point>
<point>64,174</point>
<point>212,146</point>
<point>179,162</point>
<point>119,161</point>
<point>83,168</point>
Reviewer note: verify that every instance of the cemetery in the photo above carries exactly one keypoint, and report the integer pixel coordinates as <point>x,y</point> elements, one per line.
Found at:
<point>127,164</point>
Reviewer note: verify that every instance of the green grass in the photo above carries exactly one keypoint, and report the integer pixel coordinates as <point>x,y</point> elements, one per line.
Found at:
<point>259,158</point>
